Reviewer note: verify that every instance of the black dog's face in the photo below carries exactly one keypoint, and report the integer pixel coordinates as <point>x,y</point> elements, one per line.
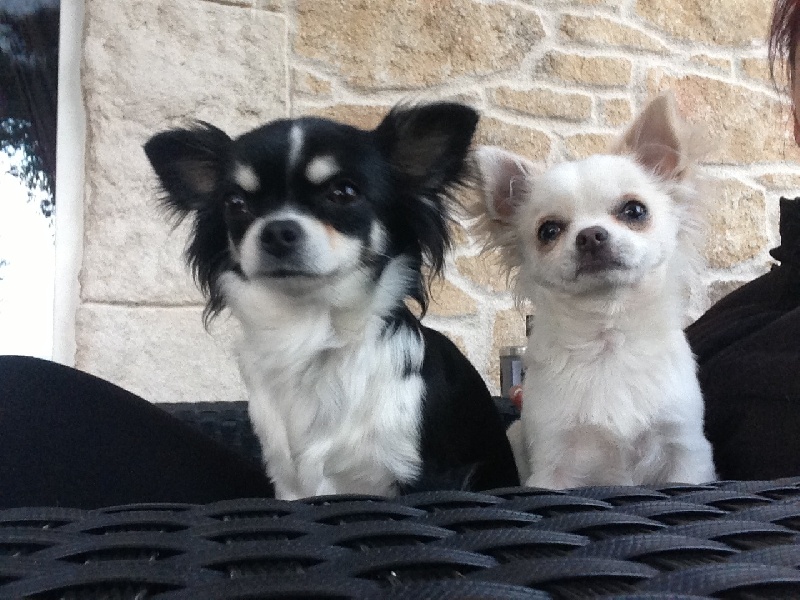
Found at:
<point>306,203</point>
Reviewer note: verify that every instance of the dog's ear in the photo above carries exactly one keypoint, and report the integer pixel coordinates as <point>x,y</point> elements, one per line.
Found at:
<point>189,164</point>
<point>661,140</point>
<point>427,145</point>
<point>503,185</point>
<point>502,176</point>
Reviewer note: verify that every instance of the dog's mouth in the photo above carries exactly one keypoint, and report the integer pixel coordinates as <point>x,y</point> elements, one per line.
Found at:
<point>597,265</point>
<point>290,274</point>
<point>298,276</point>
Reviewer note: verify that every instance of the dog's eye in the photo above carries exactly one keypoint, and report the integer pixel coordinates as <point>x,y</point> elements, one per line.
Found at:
<point>235,204</point>
<point>549,231</point>
<point>343,191</point>
<point>633,210</point>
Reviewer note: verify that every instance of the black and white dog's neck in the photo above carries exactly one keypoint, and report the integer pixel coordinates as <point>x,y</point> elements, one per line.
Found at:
<point>348,309</point>
<point>346,378</point>
<point>314,235</point>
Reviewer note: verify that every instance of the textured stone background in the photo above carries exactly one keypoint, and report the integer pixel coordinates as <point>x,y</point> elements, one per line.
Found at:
<point>554,80</point>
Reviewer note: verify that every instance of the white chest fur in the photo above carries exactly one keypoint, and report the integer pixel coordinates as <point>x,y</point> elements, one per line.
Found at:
<point>334,401</point>
<point>613,405</point>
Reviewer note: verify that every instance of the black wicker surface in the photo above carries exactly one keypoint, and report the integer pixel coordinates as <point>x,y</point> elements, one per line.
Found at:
<point>226,422</point>
<point>728,540</point>
<point>229,423</point>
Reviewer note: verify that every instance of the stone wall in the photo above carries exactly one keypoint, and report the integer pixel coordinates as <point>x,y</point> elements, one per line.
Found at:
<point>554,79</point>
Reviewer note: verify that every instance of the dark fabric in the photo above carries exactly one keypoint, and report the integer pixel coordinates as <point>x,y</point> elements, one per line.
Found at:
<point>748,351</point>
<point>71,439</point>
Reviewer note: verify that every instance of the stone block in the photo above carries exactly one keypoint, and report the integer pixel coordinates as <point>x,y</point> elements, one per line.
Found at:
<point>157,62</point>
<point>357,115</point>
<point>758,69</point>
<point>722,65</point>
<point>717,22</point>
<point>617,112</point>
<point>596,71</point>
<point>602,3</point>
<point>447,300</point>
<point>737,230</point>
<point>271,5</point>
<point>458,341</point>
<point>786,182</point>
<point>161,354</point>
<point>544,103</point>
<point>240,3</point>
<point>606,33</point>
<point>147,66</point>
<point>530,143</point>
<point>383,44</point>
<point>719,289</point>
<point>745,126</point>
<point>484,271</point>
<point>309,84</point>
<point>458,231</point>
<point>582,145</point>
<point>365,116</point>
<point>133,255</point>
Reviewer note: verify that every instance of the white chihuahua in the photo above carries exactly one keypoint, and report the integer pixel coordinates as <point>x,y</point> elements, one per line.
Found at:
<point>606,248</point>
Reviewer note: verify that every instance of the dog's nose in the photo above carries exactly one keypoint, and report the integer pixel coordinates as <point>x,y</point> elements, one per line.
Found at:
<point>280,237</point>
<point>591,238</point>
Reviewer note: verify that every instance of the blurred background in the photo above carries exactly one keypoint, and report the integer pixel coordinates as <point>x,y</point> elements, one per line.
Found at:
<point>29,38</point>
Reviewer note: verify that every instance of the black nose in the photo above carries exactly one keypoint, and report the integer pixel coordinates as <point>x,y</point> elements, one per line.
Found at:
<point>591,239</point>
<point>279,238</point>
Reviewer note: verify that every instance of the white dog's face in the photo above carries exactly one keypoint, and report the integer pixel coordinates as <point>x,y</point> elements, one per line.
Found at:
<point>594,224</point>
<point>600,224</point>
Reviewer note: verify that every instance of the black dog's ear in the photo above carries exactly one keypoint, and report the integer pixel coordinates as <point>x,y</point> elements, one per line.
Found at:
<point>189,163</point>
<point>428,144</point>
<point>427,148</point>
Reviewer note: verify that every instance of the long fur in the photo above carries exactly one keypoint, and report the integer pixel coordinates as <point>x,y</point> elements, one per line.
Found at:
<point>610,393</point>
<point>685,182</point>
<point>314,235</point>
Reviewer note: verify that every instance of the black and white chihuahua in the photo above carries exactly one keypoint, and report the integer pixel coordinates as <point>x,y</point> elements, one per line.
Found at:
<point>313,233</point>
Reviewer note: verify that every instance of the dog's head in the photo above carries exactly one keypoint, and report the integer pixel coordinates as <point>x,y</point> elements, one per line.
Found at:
<point>594,225</point>
<point>303,205</point>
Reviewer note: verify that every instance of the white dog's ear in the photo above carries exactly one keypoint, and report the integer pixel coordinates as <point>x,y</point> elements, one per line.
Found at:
<point>502,179</point>
<point>661,140</point>
<point>503,185</point>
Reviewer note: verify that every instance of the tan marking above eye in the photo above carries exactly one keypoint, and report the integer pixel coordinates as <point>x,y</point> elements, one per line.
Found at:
<point>333,236</point>
<point>630,197</point>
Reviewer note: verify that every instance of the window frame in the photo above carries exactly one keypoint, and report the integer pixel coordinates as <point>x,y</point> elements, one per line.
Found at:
<point>70,169</point>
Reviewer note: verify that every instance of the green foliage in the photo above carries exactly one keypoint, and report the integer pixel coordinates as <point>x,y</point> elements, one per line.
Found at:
<point>17,141</point>
<point>28,93</point>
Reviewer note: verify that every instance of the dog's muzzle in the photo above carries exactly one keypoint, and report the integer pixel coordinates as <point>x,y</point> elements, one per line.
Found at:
<point>594,251</point>
<point>282,238</point>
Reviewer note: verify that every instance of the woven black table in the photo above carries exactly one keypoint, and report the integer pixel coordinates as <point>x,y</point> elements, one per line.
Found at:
<point>730,540</point>
<point>727,540</point>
